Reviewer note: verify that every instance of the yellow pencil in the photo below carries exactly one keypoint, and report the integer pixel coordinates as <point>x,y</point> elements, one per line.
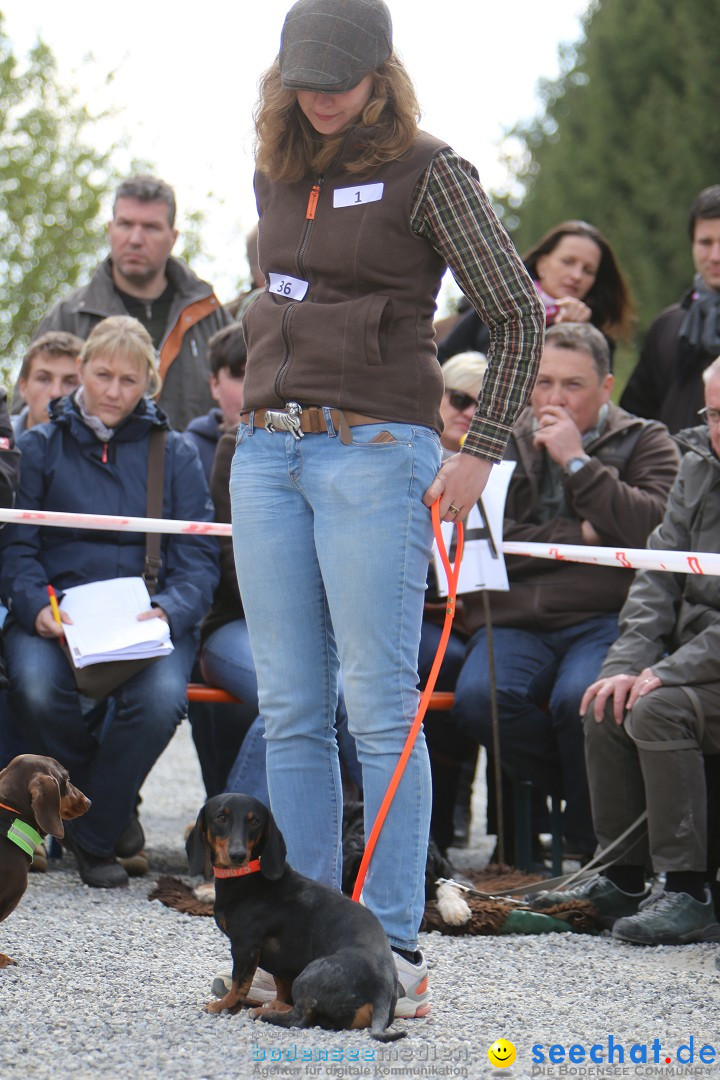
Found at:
<point>54,605</point>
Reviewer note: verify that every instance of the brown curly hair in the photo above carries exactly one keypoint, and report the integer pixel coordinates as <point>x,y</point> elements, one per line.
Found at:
<point>609,297</point>
<point>287,147</point>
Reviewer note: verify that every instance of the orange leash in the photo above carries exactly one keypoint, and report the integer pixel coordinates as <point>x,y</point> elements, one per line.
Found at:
<point>452,574</point>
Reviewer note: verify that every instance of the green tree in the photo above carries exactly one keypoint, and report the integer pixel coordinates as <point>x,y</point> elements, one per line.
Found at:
<point>53,184</point>
<point>626,137</point>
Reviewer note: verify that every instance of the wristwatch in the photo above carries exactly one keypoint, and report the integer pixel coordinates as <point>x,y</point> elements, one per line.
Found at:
<point>575,464</point>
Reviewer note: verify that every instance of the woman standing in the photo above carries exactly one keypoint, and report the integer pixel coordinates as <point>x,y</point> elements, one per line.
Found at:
<point>337,460</point>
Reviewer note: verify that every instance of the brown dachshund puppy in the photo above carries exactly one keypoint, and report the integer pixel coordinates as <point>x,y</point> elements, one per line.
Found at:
<point>329,956</point>
<point>36,796</point>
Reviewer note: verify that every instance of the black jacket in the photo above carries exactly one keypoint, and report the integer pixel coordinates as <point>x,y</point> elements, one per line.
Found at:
<point>9,456</point>
<point>667,382</point>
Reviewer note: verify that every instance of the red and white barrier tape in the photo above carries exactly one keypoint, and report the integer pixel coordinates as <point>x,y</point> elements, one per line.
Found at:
<point>112,523</point>
<point>677,562</point>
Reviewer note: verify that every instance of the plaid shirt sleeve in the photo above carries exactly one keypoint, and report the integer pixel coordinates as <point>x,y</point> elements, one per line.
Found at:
<point>451,210</point>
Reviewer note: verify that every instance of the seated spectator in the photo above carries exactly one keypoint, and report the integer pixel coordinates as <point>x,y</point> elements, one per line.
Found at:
<point>9,457</point>
<point>463,378</point>
<point>667,382</point>
<point>226,661</point>
<point>443,324</point>
<point>226,356</point>
<point>10,740</point>
<point>578,277</point>
<point>450,752</point>
<point>93,458</point>
<point>654,712</point>
<point>49,370</point>
<point>217,730</point>
<point>587,473</point>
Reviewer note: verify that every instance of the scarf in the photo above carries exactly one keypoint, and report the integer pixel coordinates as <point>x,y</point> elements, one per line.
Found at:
<point>104,434</point>
<point>699,339</point>
<point>551,307</point>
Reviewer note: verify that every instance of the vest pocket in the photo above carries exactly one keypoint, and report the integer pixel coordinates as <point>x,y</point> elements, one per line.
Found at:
<point>373,331</point>
<point>322,351</point>
<point>354,332</point>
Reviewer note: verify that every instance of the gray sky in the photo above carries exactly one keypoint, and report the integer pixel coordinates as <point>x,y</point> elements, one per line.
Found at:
<point>186,78</point>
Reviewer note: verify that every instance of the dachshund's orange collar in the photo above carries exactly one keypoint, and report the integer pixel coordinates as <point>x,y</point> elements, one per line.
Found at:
<point>237,871</point>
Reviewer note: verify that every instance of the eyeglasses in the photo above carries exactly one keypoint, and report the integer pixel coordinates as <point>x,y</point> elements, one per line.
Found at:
<point>710,416</point>
<point>461,401</point>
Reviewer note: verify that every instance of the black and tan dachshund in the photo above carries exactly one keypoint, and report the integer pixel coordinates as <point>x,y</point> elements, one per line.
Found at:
<point>36,796</point>
<point>332,963</point>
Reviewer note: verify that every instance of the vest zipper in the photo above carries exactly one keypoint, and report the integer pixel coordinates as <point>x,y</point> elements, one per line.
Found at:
<point>309,221</point>
<point>304,241</point>
<point>104,458</point>
<point>286,338</point>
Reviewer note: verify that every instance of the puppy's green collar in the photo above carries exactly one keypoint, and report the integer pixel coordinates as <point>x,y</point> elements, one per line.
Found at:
<point>22,834</point>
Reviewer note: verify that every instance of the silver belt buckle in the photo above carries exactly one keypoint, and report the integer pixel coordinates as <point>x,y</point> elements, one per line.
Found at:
<point>287,419</point>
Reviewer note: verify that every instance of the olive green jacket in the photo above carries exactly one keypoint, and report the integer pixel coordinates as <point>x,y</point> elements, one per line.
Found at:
<point>671,622</point>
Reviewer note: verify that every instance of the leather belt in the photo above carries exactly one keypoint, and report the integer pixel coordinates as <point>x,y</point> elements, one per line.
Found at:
<point>300,420</point>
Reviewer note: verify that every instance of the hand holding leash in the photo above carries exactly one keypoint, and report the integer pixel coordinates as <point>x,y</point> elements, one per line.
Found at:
<point>458,485</point>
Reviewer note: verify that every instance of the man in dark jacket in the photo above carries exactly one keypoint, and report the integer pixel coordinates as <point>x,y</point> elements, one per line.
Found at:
<point>667,382</point>
<point>141,278</point>
<point>587,473</point>
<point>9,456</point>
<point>11,742</point>
<point>654,712</point>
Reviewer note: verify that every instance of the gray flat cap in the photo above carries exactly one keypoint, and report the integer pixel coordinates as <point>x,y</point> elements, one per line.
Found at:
<point>330,45</point>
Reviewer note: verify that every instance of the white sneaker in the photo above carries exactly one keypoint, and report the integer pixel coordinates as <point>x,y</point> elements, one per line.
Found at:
<point>413,992</point>
<point>261,991</point>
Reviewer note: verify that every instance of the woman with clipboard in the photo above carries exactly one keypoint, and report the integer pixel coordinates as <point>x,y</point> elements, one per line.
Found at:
<point>92,457</point>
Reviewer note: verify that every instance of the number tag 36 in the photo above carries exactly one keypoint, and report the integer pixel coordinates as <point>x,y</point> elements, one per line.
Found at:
<point>285,285</point>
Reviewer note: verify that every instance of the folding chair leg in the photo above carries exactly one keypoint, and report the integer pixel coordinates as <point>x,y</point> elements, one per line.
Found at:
<point>556,830</point>
<point>522,796</point>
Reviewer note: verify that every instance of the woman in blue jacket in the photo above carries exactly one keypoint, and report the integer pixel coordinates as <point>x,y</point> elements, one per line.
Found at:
<point>93,458</point>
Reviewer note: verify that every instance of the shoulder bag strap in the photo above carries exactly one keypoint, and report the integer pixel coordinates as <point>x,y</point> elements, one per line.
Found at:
<point>156,472</point>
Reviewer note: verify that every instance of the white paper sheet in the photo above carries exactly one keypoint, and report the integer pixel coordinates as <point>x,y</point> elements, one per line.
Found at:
<point>105,622</point>
<point>483,564</point>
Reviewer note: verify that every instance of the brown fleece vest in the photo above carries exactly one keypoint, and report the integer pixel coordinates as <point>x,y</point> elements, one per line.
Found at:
<point>362,337</point>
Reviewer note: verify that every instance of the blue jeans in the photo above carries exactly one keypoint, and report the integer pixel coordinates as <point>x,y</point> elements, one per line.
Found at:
<point>541,678</point>
<point>332,544</point>
<point>227,662</point>
<point>107,758</point>
<point>11,741</point>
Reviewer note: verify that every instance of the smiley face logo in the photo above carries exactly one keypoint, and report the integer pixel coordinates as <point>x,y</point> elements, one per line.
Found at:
<point>502,1053</point>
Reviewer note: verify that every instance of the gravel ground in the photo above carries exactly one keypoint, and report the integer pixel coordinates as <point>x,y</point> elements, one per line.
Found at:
<point>108,984</point>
